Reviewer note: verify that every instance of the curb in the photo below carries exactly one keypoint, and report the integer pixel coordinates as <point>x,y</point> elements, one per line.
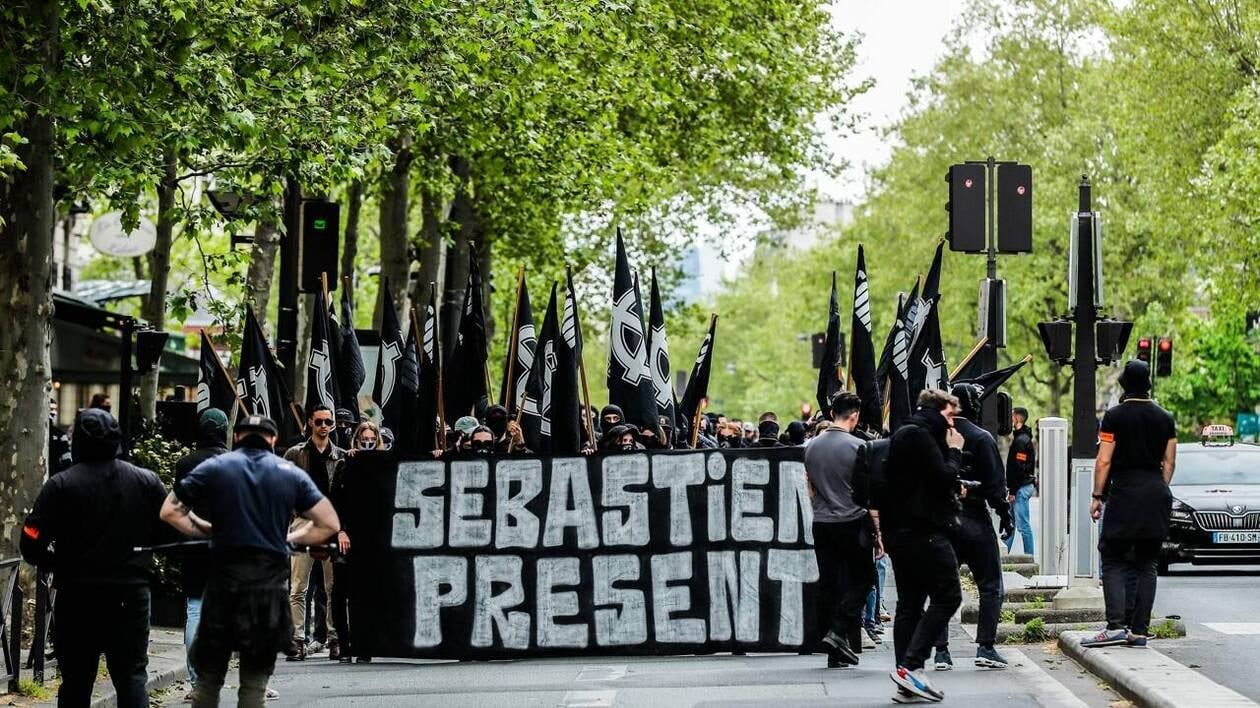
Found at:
<point>156,682</point>
<point>1149,678</point>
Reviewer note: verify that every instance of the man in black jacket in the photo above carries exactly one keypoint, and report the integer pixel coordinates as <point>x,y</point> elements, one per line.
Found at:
<point>212,430</point>
<point>922,468</point>
<point>1021,477</point>
<point>974,541</point>
<point>96,512</point>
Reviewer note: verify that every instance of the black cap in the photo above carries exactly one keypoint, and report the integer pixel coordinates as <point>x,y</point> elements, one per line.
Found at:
<point>256,424</point>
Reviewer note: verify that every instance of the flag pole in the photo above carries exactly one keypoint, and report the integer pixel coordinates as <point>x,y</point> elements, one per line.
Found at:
<point>970,355</point>
<point>437,348</point>
<point>323,283</point>
<point>513,342</point>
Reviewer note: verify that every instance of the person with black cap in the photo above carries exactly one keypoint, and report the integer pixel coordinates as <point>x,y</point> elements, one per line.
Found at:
<point>1137,455</point>
<point>843,535</point>
<point>212,432</point>
<point>84,527</point>
<point>249,495</point>
<point>974,541</point>
<point>916,511</point>
<point>622,437</point>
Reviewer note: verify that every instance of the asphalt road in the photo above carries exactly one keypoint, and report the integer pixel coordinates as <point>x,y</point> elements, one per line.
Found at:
<point>1221,609</point>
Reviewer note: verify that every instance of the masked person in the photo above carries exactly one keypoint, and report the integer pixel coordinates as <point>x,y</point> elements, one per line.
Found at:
<point>481,441</point>
<point>94,513</point>
<point>346,426</point>
<point>249,495</point>
<point>768,431</point>
<point>795,433</point>
<point>730,435</point>
<point>620,438</point>
<point>923,461</point>
<point>1021,477</point>
<point>1137,455</point>
<point>366,438</point>
<point>609,416</point>
<point>843,535</point>
<point>974,541</point>
<point>212,432</point>
<point>318,457</point>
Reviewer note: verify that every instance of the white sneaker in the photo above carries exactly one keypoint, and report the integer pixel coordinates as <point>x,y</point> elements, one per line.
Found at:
<point>867,642</point>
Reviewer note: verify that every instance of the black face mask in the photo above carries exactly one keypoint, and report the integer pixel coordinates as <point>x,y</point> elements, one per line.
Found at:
<point>498,427</point>
<point>627,446</point>
<point>727,440</point>
<point>482,447</point>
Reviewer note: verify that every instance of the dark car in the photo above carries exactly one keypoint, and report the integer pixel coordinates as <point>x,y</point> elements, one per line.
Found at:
<point>1216,503</point>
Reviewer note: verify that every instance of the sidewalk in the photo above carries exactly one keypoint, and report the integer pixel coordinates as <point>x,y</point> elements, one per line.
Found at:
<point>166,666</point>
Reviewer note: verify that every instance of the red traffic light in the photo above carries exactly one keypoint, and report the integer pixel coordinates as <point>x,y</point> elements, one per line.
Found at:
<point>1144,349</point>
<point>1165,345</point>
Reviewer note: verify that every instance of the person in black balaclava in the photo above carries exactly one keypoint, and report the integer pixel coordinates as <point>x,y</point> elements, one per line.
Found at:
<point>768,432</point>
<point>610,416</point>
<point>1137,454</point>
<point>974,541</point>
<point>96,512</point>
<point>212,432</point>
<point>795,433</point>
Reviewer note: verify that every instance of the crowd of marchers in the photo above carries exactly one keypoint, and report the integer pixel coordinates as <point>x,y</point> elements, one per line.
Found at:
<point>923,499</point>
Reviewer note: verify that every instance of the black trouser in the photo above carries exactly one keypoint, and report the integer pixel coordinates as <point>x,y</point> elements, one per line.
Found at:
<point>245,609</point>
<point>1129,577</point>
<point>846,573</point>
<point>925,567</point>
<point>109,619</point>
<point>341,605</point>
<point>976,544</point>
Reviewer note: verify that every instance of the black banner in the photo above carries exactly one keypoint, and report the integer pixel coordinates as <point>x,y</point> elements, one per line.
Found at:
<point>673,552</point>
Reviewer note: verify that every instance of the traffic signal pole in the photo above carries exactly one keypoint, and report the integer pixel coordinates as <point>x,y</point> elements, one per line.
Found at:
<point>1085,315</point>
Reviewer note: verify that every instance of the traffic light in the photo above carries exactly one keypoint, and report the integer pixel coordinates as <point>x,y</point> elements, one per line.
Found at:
<point>818,345</point>
<point>1144,349</point>
<point>1163,357</point>
<point>1014,208</point>
<point>1112,339</point>
<point>320,223</point>
<point>966,208</point>
<point>1056,336</point>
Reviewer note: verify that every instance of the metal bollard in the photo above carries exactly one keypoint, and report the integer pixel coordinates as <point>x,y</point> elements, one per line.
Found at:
<point>1083,529</point>
<point>1052,468</point>
<point>14,649</point>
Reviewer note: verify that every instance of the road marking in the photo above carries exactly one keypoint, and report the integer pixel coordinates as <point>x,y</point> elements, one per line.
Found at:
<point>602,672</point>
<point>589,699</point>
<point>1234,627</point>
<point>1050,693</point>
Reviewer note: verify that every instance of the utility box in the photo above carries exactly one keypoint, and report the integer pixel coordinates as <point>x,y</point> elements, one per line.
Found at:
<point>1052,468</point>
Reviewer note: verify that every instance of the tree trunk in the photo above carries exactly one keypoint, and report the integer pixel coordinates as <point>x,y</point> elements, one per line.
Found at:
<point>395,258</point>
<point>154,310</point>
<point>486,264</point>
<point>350,249</point>
<point>306,307</point>
<point>464,215</point>
<point>26,241</point>
<point>137,266</point>
<point>431,247</point>
<point>262,265</point>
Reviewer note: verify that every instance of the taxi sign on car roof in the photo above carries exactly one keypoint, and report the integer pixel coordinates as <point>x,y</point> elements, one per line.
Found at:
<point>1217,435</point>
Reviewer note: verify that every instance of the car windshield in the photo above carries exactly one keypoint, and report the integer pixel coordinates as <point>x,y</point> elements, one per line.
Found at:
<point>1227,465</point>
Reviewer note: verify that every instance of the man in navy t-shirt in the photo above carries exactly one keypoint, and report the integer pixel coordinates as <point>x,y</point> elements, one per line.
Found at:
<point>248,497</point>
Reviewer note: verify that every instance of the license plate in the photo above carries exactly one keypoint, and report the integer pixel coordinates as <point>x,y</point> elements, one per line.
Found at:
<point>1236,537</point>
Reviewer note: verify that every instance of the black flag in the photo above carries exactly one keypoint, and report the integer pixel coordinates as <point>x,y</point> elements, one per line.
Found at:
<point>321,370</point>
<point>520,352</point>
<point>658,358</point>
<point>429,433</point>
<point>350,370</point>
<point>405,403</point>
<point>698,383</point>
<point>629,380</point>
<point>862,370</point>
<point>536,405</point>
<point>895,364</point>
<point>993,380</point>
<point>214,387</point>
<point>829,373</point>
<point>566,418</point>
<point>258,382</point>
<point>464,386</point>
<point>927,357</point>
<point>396,384</point>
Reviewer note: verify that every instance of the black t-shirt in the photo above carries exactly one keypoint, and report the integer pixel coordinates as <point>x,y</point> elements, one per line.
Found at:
<point>1140,431</point>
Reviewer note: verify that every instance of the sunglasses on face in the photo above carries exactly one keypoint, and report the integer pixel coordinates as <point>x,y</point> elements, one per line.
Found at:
<point>323,422</point>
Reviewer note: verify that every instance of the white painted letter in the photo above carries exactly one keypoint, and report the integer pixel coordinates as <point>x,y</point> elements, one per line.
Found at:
<point>668,599</point>
<point>629,528</point>
<point>468,529</point>
<point>747,504</point>
<point>734,592</point>
<point>569,474</point>
<point>794,502</point>
<point>431,573</point>
<point>628,625</point>
<point>488,612</point>
<point>514,525</point>
<point>552,573</point>
<point>418,518</point>
<point>677,472</point>
<point>792,568</point>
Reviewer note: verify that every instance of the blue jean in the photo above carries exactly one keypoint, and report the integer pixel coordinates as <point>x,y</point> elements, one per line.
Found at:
<point>870,616</point>
<point>1022,524</point>
<point>192,618</point>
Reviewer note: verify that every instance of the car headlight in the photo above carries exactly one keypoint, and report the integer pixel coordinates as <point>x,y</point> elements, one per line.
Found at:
<point>1182,513</point>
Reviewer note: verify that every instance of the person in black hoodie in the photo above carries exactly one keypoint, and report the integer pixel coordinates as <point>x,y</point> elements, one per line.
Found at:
<point>917,510</point>
<point>96,512</point>
<point>212,430</point>
<point>974,541</point>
